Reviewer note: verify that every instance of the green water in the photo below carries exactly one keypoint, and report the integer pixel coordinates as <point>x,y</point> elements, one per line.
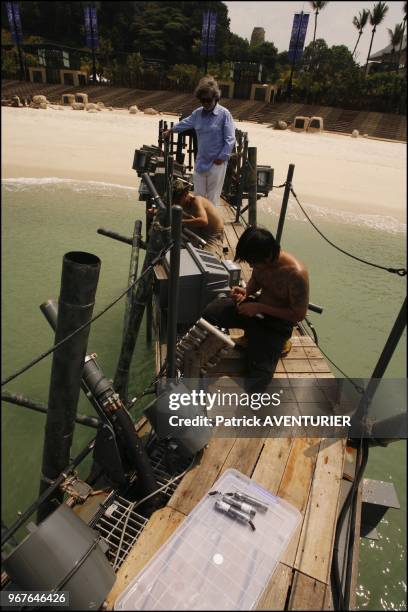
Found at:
<point>42,221</point>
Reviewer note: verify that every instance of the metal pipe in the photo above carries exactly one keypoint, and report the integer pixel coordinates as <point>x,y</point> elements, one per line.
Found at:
<point>80,273</point>
<point>112,410</point>
<point>285,200</point>
<point>153,192</point>
<point>21,400</point>
<point>47,492</point>
<point>242,175</point>
<point>149,321</point>
<point>119,237</point>
<point>174,282</point>
<point>252,180</point>
<point>121,379</point>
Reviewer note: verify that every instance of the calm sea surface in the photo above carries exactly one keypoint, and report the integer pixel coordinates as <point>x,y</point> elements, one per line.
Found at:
<point>44,219</point>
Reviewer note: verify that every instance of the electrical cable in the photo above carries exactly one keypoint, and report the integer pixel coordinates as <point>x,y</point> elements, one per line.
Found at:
<point>399,271</point>
<point>362,456</point>
<point>355,385</point>
<point>82,327</point>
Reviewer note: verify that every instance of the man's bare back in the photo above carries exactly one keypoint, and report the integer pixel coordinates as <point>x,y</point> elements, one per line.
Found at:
<point>204,214</point>
<point>284,285</point>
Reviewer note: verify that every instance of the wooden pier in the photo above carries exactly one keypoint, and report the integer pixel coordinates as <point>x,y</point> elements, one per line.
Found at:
<point>313,474</point>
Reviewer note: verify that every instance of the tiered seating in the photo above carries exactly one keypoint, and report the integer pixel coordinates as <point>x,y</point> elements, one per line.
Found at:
<point>379,125</point>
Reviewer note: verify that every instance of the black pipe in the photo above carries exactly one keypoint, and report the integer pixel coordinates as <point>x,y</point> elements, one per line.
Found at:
<point>285,200</point>
<point>47,492</point>
<point>80,273</point>
<point>102,395</point>
<point>174,283</point>
<point>153,192</point>
<point>121,379</point>
<point>149,321</point>
<point>21,400</point>
<point>243,159</point>
<point>252,186</point>
<point>119,237</point>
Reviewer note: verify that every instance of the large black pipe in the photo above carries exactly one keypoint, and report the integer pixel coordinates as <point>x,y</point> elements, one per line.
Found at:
<point>174,283</point>
<point>285,201</point>
<point>79,279</point>
<point>21,400</point>
<point>103,397</point>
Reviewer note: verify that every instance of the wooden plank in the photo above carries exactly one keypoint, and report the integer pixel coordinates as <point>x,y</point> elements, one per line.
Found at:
<point>316,542</point>
<point>198,481</point>
<point>296,484</point>
<point>244,455</point>
<point>307,593</point>
<point>160,527</point>
<point>319,365</point>
<point>272,462</point>
<point>275,594</point>
<point>297,365</point>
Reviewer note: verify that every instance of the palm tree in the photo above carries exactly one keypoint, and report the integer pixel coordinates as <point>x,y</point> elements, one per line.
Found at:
<point>404,23</point>
<point>395,39</point>
<point>376,17</point>
<point>360,22</point>
<point>317,7</point>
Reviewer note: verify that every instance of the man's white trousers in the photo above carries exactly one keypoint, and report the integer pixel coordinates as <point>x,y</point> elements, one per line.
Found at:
<point>209,184</point>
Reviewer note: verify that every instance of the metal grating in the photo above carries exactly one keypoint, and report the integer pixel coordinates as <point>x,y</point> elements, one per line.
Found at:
<point>120,525</point>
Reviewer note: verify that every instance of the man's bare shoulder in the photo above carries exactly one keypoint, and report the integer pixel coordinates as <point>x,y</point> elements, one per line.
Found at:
<point>293,266</point>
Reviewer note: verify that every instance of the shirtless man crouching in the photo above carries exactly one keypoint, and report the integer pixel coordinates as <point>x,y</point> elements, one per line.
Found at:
<point>268,318</point>
<point>201,216</point>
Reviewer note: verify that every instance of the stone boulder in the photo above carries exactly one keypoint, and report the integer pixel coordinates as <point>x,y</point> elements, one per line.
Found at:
<point>133,110</point>
<point>91,106</point>
<point>150,111</point>
<point>43,105</point>
<point>100,105</point>
<point>355,134</point>
<point>39,99</point>
<point>281,125</point>
<point>365,135</point>
<point>92,110</point>
<point>78,106</point>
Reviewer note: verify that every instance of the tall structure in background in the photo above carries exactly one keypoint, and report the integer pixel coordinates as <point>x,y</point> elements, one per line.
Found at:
<point>257,36</point>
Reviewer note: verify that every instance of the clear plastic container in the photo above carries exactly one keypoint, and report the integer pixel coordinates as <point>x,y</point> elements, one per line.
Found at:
<point>213,562</point>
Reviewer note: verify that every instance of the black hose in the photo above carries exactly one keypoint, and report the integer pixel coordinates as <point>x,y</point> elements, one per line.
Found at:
<point>361,461</point>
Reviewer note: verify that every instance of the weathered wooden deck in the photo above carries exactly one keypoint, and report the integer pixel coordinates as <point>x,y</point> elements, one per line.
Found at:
<point>306,472</point>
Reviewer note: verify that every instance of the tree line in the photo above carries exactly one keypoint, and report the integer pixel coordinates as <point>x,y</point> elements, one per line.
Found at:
<point>157,45</point>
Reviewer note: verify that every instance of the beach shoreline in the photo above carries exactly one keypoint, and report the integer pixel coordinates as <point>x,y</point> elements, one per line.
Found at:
<point>363,176</point>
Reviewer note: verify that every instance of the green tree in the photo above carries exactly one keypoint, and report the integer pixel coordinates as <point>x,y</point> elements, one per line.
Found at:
<point>395,40</point>
<point>376,17</point>
<point>318,6</point>
<point>360,21</point>
<point>265,53</point>
<point>404,23</point>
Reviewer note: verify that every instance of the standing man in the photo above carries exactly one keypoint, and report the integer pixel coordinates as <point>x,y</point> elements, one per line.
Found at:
<point>216,138</point>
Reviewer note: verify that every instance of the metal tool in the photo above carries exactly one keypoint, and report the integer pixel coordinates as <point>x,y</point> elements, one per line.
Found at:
<point>234,513</point>
<point>239,496</point>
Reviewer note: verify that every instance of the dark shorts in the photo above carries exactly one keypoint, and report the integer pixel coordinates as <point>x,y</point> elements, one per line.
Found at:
<point>266,339</point>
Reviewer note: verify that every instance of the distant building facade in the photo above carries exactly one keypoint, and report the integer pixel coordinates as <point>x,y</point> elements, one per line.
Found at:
<point>257,36</point>
<point>388,58</point>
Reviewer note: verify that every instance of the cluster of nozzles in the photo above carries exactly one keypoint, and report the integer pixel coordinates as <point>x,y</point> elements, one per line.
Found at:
<point>193,340</point>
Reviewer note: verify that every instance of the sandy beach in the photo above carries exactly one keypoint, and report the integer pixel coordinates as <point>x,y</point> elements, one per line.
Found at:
<point>362,176</point>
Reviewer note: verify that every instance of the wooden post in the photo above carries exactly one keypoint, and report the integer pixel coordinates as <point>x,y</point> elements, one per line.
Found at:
<point>285,200</point>
<point>174,278</point>
<point>251,182</point>
<point>121,380</point>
